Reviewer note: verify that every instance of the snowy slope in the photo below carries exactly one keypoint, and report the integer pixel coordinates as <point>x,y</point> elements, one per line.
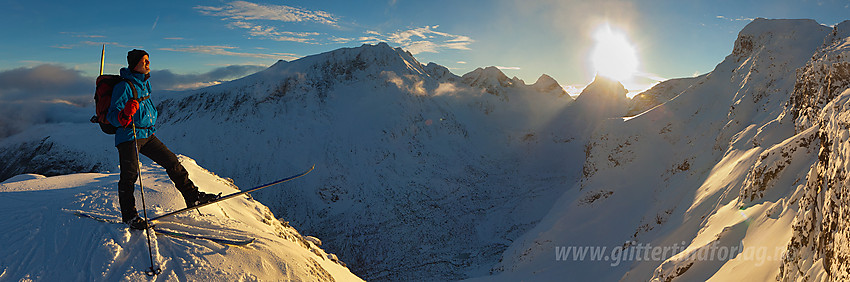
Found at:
<point>658,94</point>
<point>726,181</point>
<point>43,241</point>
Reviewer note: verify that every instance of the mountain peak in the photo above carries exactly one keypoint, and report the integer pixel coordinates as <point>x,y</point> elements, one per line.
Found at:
<point>439,72</point>
<point>776,32</point>
<point>547,84</point>
<point>488,72</point>
<point>347,61</point>
<point>604,96</point>
<point>602,85</point>
<point>839,32</point>
<point>492,79</point>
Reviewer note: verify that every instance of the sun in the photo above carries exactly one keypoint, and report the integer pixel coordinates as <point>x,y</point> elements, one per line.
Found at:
<point>613,56</point>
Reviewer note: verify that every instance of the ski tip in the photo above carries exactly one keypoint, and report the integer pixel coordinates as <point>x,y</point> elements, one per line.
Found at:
<point>306,172</point>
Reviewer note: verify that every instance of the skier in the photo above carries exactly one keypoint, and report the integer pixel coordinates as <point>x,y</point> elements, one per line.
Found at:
<point>125,112</point>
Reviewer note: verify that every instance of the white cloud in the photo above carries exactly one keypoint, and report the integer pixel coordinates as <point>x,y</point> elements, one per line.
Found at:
<point>85,42</point>
<point>77,34</point>
<point>227,51</point>
<point>341,40</point>
<point>273,34</point>
<point>457,45</point>
<point>421,47</point>
<point>49,93</point>
<point>45,93</point>
<point>421,40</point>
<point>738,19</point>
<point>508,68</point>
<point>250,16</point>
<point>445,88</point>
<point>242,14</point>
<point>96,43</point>
<point>242,10</point>
<point>460,39</point>
<point>369,40</point>
<point>44,81</point>
<point>407,83</point>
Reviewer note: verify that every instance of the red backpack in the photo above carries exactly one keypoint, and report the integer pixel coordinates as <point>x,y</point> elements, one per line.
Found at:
<point>103,97</point>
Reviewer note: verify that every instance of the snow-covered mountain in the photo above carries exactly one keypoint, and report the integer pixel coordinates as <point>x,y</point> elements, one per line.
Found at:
<point>425,175</point>
<point>547,84</point>
<point>738,177</point>
<point>417,169</point>
<point>44,241</point>
<point>495,82</point>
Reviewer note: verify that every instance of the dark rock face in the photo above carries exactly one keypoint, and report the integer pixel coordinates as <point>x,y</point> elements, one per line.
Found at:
<point>44,157</point>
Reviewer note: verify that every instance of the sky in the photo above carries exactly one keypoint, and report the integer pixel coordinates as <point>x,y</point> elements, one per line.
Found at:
<point>50,50</point>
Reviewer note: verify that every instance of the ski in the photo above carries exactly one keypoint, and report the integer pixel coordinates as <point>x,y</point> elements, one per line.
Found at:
<point>180,235</point>
<point>165,232</point>
<point>170,233</point>
<point>97,217</point>
<point>227,197</point>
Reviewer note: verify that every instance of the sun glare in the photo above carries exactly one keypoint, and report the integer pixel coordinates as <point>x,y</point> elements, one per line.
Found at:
<point>613,56</point>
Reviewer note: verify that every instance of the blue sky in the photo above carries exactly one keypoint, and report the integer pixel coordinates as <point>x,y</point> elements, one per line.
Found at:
<point>195,43</point>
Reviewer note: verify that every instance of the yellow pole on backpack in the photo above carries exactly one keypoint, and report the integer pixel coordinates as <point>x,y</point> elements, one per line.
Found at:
<point>102,53</point>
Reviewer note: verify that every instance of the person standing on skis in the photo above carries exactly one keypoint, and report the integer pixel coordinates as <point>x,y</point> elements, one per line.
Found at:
<point>127,111</point>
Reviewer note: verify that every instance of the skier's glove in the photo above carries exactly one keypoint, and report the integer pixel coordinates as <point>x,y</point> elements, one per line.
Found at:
<point>130,109</point>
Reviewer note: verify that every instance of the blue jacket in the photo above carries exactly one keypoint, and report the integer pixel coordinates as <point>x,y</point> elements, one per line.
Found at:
<point>145,117</point>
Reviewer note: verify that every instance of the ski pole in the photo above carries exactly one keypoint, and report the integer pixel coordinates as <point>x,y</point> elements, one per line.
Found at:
<point>153,271</point>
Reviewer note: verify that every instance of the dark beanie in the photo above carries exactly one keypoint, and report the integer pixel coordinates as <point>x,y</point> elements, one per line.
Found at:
<point>134,56</point>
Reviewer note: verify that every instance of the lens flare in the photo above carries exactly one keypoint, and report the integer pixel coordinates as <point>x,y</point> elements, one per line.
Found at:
<point>613,56</point>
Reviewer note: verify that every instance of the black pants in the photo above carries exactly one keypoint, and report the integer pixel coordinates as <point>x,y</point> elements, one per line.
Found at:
<point>156,151</point>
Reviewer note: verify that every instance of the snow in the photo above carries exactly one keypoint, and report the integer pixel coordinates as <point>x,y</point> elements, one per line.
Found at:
<point>44,241</point>
<point>23,177</point>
